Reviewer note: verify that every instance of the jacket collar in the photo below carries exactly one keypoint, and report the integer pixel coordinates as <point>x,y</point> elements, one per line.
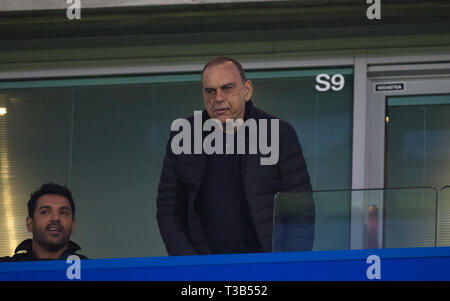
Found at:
<point>27,246</point>
<point>248,109</point>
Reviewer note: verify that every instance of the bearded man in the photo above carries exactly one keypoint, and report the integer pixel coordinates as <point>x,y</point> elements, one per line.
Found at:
<point>51,220</point>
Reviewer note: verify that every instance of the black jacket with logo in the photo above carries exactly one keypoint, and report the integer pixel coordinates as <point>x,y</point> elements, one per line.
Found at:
<point>24,252</point>
<point>182,174</point>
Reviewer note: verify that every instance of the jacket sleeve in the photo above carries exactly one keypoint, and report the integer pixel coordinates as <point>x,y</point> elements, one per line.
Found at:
<point>172,208</point>
<point>298,221</point>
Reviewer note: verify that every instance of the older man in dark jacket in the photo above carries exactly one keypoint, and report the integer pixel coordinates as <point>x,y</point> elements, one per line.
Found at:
<point>224,203</point>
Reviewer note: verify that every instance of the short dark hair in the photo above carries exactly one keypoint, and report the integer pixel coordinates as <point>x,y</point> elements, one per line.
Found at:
<point>223,59</point>
<point>49,188</point>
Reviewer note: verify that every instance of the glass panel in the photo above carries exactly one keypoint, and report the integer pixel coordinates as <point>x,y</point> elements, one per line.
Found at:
<point>444,217</point>
<point>111,165</point>
<point>418,142</point>
<point>105,139</point>
<point>410,218</point>
<point>107,144</point>
<point>417,148</point>
<point>331,227</point>
<point>323,121</point>
<point>324,125</point>
<point>119,140</point>
<point>35,129</point>
<point>411,226</point>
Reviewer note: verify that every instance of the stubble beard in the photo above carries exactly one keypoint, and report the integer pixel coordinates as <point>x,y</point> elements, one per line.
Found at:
<point>51,245</point>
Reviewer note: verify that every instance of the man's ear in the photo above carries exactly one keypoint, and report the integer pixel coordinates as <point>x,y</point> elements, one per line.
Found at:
<point>29,224</point>
<point>248,90</point>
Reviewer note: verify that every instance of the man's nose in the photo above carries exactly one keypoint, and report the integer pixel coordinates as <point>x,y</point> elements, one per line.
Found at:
<point>55,216</point>
<point>219,95</point>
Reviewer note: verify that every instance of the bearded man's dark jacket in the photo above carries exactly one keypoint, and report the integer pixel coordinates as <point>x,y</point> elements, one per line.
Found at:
<point>24,252</point>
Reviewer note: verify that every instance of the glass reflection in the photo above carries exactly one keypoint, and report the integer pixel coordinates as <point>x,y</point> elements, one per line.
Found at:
<point>5,192</point>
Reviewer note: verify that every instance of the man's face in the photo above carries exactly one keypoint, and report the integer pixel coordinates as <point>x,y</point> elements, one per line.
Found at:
<point>224,93</point>
<point>52,223</point>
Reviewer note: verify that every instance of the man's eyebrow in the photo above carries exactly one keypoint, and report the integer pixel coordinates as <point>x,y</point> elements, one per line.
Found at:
<point>60,208</point>
<point>228,84</point>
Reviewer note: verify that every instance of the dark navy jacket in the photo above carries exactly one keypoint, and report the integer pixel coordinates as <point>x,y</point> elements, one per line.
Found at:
<point>182,174</point>
<point>24,252</point>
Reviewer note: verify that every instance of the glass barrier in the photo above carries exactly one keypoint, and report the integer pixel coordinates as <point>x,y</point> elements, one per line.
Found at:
<point>360,219</point>
<point>443,235</point>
